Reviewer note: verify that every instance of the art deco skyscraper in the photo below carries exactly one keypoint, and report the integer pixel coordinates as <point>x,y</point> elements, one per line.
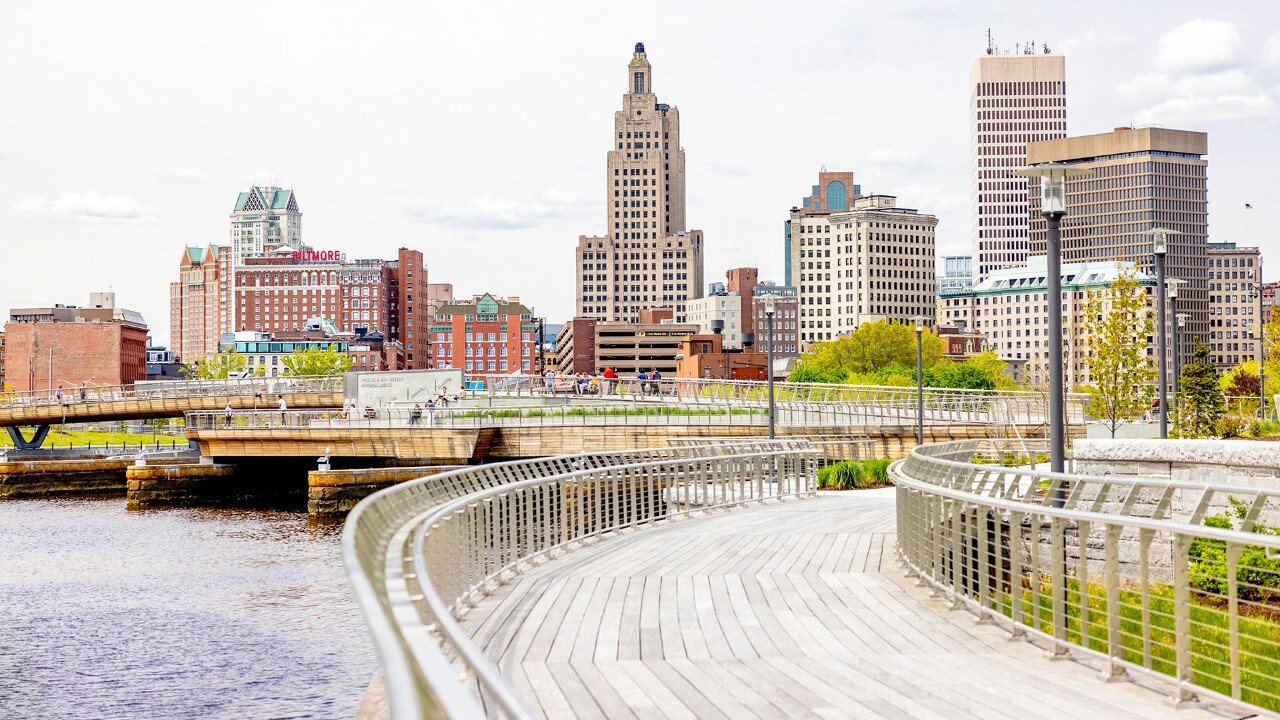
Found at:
<point>646,259</point>
<point>1013,100</point>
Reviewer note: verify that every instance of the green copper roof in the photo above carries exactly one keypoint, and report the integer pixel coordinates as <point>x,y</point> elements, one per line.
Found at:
<point>281,200</point>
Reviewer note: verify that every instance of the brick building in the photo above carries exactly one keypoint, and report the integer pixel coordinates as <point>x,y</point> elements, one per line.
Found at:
<point>705,356</point>
<point>200,302</point>
<point>281,289</point>
<point>485,336</point>
<point>66,346</point>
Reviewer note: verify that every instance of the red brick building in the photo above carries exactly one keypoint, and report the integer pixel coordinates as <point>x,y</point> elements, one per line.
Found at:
<point>486,336</point>
<point>704,356</point>
<point>281,289</point>
<point>67,347</point>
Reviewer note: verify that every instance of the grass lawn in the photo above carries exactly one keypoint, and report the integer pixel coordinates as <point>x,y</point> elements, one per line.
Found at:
<point>62,438</point>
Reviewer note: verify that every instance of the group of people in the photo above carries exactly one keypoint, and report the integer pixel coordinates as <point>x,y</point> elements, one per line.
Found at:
<point>64,398</point>
<point>602,383</point>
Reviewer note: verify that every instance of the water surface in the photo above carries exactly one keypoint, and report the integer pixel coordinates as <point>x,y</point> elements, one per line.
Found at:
<point>176,613</point>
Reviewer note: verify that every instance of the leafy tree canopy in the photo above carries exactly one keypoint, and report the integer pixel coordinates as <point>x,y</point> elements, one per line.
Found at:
<point>315,361</point>
<point>218,366</point>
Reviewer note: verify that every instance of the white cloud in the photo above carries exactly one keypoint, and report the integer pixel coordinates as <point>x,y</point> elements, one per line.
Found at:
<point>1273,49</point>
<point>87,206</point>
<point>184,174</point>
<point>1183,111</point>
<point>495,213</point>
<point>1199,45</point>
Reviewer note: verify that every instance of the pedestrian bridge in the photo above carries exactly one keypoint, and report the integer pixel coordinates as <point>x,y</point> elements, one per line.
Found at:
<point>714,581</point>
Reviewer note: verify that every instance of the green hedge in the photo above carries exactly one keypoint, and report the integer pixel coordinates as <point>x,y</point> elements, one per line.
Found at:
<point>854,474</point>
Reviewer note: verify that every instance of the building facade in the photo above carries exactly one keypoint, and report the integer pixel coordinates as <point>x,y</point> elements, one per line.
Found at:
<point>69,347</point>
<point>265,215</point>
<point>835,192</point>
<point>647,258</point>
<point>873,262</point>
<point>957,273</point>
<point>200,302</point>
<point>1235,304</point>
<point>485,336</point>
<point>1138,179</point>
<point>786,318</point>
<point>1013,100</point>
<point>589,345</point>
<point>281,289</point>
<point>1010,311</point>
<point>720,312</point>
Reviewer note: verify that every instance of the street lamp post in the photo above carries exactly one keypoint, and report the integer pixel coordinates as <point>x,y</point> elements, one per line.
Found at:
<point>1160,248</point>
<point>1180,322</point>
<point>770,305</point>
<point>1172,284</point>
<point>919,321</point>
<point>1053,207</point>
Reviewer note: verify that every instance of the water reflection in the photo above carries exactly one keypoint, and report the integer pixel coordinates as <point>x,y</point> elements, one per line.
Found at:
<point>174,613</point>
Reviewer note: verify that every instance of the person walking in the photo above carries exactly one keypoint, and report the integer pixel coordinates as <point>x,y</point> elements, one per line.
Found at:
<point>643,377</point>
<point>431,413</point>
<point>415,414</point>
<point>610,380</point>
<point>283,408</point>
<point>229,414</point>
<point>84,391</point>
<point>59,394</point>
<point>654,377</point>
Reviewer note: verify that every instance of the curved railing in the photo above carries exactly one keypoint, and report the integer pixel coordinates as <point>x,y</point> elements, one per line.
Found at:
<point>419,551</point>
<point>1178,580</point>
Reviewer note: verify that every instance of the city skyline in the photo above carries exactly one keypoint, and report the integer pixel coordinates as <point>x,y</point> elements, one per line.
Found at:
<point>120,161</point>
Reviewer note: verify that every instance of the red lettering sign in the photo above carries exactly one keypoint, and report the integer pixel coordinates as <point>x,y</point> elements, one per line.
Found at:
<point>317,256</point>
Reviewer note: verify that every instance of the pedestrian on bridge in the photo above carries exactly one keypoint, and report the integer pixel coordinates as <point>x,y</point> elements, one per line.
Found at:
<point>283,409</point>
<point>228,414</point>
<point>654,377</point>
<point>84,391</point>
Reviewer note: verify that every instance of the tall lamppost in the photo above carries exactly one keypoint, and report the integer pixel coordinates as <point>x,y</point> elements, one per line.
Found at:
<point>1160,248</point>
<point>1180,322</point>
<point>770,305</point>
<point>1172,284</point>
<point>1260,335</point>
<point>919,321</point>
<point>1053,206</point>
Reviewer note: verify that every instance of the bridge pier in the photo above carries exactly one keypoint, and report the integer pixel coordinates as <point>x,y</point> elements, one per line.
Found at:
<point>37,439</point>
<point>48,478</point>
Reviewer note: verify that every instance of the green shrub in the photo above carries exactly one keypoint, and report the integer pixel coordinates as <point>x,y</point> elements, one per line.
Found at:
<point>1257,574</point>
<point>854,474</point>
<point>1264,428</point>
<point>1229,426</point>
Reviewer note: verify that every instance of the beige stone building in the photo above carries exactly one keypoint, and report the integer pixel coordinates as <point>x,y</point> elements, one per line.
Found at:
<point>1235,310</point>
<point>872,262</point>
<point>1139,179</point>
<point>1013,100</point>
<point>200,302</point>
<point>1009,310</point>
<point>647,258</point>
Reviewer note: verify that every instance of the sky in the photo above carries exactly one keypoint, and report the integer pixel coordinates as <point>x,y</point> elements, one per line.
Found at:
<point>477,132</point>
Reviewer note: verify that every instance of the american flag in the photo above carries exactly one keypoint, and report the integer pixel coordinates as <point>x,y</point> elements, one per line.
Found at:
<point>1248,206</point>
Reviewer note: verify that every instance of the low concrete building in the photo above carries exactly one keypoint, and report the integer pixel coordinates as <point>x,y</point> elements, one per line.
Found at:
<point>591,345</point>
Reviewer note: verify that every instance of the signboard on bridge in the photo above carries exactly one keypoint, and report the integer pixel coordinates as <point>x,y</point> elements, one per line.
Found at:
<point>399,389</point>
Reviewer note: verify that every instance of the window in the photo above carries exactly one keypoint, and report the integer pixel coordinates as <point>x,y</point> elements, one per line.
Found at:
<point>639,82</point>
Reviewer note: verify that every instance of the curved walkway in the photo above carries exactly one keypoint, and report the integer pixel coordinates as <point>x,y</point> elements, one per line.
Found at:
<point>794,609</point>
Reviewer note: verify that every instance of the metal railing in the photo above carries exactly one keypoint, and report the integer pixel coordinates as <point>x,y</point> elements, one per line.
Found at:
<point>949,405</point>
<point>831,448</point>
<point>1176,580</point>
<point>418,552</point>
<point>266,387</point>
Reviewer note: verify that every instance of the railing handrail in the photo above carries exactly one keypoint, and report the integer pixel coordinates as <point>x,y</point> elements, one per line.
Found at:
<point>399,629</point>
<point>964,530</point>
<point>282,385</point>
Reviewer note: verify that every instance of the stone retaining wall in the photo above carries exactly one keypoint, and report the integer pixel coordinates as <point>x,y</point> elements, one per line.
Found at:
<point>333,493</point>
<point>48,478</point>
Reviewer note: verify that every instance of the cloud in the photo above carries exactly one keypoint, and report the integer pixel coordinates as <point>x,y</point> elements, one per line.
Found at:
<point>87,206</point>
<point>1198,110</point>
<point>1273,49</point>
<point>1199,45</point>
<point>488,212</point>
<point>184,175</point>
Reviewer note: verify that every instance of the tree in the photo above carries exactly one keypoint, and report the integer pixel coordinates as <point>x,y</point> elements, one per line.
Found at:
<point>964,376</point>
<point>1116,326</point>
<point>994,366</point>
<point>218,366</point>
<point>871,347</point>
<point>1200,402</point>
<point>316,361</point>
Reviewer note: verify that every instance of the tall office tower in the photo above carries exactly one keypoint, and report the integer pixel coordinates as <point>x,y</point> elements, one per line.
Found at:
<point>1013,100</point>
<point>874,261</point>
<point>835,192</point>
<point>264,216</point>
<point>1235,310</point>
<point>199,302</point>
<point>1139,179</point>
<point>647,259</point>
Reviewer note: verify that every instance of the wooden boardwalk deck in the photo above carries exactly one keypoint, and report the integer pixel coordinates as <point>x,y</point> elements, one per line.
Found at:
<point>788,610</point>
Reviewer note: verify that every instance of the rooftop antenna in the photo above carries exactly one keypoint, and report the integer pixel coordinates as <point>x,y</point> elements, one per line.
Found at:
<point>991,46</point>
<point>1029,48</point>
<point>1017,48</point>
<point>1046,48</point>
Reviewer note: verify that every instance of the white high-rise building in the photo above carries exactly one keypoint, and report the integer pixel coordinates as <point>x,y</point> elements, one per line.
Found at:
<point>1013,100</point>
<point>264,216</point>
<point>646,259</point>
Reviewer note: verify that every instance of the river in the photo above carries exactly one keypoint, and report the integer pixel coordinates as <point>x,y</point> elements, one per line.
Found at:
<point>175,613</point>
